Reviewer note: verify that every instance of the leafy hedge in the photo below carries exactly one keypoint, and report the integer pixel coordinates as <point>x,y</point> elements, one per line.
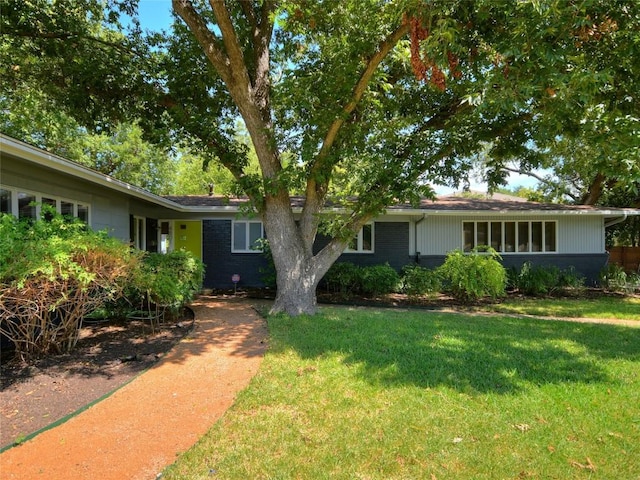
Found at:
<point>418,281</point>
<point>52,274</point>
<point>347,278</point>
<point>544,279</point>
<point>162,282</point>
<point>55,272</point>
<point>614,278</point>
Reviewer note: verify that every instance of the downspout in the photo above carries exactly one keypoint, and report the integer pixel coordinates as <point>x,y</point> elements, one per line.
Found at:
<point>611,223</point>
<point>616,221</point>
<point>415,237</point>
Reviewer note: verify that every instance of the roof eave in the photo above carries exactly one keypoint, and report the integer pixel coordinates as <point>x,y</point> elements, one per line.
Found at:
<point>41,157</point>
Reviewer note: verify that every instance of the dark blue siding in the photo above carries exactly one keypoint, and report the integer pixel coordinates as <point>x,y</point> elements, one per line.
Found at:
<point>221,264</point>
<point>391,245</point>
<point>588,265</point>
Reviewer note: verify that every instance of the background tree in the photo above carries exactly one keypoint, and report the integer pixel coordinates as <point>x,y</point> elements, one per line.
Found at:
<point>396,94</point>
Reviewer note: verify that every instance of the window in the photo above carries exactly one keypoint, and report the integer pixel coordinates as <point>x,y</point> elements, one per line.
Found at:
<point>27,204</point>
<point>469,236</point>
<point>511,237</point>
<point>245,236</point>
<point>26,207</point>
<point>52,203</point>
<point>523,236</point>
<point>83,213</point>
<point>550,236</point>
<point>363,241</point>
<point>5,201</point>
<point>66,209</point>
<point>496,236</point>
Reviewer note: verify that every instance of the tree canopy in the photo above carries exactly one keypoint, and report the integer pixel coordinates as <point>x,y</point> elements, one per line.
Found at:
<point>372,101</point>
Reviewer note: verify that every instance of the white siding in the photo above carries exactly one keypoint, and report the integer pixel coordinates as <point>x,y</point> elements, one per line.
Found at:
<point>581,234</point>
<point>439,234</point>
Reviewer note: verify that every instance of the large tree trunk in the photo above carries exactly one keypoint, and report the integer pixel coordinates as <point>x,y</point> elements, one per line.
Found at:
<point>298,270</point>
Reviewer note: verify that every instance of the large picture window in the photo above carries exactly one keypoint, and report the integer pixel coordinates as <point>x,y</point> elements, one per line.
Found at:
<point>363,241</point>
<point>26,204</point>
<point>511,237</point>
<point>245,236</point>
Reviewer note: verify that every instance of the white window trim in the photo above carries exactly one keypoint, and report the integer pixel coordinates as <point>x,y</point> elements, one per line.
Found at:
<point>543,250</point>
<point>246,223</point>
<point>39,196</point>
<point>360,242</point>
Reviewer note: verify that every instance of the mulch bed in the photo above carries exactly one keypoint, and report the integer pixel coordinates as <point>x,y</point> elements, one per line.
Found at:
<point>108,355</point>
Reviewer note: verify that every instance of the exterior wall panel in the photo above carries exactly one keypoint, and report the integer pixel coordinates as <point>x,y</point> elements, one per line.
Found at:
<point>221,264</point>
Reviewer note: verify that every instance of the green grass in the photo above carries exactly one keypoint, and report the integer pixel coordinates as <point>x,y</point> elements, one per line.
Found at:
<point>393,394</point>
<point>622,308</point>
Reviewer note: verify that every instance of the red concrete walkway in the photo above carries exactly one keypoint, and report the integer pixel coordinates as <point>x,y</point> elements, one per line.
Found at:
<point>139,430</point>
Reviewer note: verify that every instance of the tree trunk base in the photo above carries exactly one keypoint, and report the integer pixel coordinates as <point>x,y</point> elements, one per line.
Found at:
<point>295,302</point>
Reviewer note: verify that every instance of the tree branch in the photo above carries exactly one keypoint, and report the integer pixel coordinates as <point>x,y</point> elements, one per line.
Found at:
<point>317,189</point>
<point>69,36</point>
<point>231,44</point>
<point>207,39</point>
<point>358,91</point>
<point>541,179</point>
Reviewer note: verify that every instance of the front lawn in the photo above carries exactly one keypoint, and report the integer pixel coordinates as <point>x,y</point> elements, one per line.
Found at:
<point>618,307</point>
<point>390,394</point>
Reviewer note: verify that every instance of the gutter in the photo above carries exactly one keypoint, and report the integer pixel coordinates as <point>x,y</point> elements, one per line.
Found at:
<point>616,221</point>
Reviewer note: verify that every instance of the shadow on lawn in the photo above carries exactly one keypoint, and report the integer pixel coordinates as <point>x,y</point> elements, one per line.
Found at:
<point>464,352</point>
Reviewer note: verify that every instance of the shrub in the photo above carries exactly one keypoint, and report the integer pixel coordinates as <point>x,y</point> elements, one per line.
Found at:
<point>614,278</point>
<point>379,279</point>
<point>472,276</point>
<point>418,281</point>
<point>571,279</point>
<point>164,282</point>
<point>537,280</point>
<point>268,272</point>
<point>53,273</point>
<point>546,279</point>
<point>343,277</point>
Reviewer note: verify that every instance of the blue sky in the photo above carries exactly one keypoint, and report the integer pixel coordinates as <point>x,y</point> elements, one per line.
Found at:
<point>156,15</point>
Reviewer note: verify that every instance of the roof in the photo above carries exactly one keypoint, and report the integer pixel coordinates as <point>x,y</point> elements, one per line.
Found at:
<point>446,205</point>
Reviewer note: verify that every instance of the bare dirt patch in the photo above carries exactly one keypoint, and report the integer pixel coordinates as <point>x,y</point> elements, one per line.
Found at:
<point>107,356</point>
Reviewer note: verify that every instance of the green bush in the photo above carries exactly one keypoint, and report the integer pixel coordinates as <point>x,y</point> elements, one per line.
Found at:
<point>418,281</point>
<point>472,276</point>
<point>570,279</point>
<point>268,272</point>
<point>379,279</point>
<point>348,279</point>
<point>537,280</point>
<point>52,274</point>
<point>343,277</point>
<point>165,281</point>
<point>614,278</point>
<point>546,279</point>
